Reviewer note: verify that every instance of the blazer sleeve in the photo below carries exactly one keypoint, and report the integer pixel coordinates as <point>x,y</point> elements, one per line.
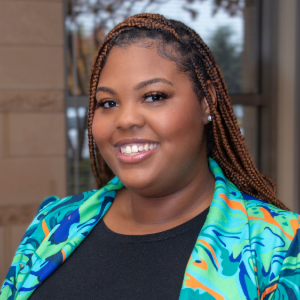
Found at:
<point>287,284</point>
<point>51,212</point>
<point>289,278</point>
<point>30,242</point>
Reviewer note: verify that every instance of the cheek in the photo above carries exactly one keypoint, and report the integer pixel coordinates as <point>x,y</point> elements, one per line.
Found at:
<point>182,123</point>
<point>101,131</point>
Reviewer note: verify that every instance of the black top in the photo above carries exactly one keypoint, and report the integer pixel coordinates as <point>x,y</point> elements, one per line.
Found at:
<point>110,266</point>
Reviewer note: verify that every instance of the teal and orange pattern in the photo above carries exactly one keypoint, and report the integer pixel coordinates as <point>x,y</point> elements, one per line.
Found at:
<point>247,248</point>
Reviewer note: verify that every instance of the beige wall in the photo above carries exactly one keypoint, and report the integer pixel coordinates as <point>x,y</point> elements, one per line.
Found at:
<point>32,119</point>
<point>286,99</point>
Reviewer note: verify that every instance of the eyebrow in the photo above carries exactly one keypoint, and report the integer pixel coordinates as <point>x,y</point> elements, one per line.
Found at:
<point>137,87</point>
<point>106,89</point>
<point>151,81</point>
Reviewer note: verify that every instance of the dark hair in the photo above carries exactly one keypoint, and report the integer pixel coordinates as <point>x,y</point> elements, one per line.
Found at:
<point>177,42</point>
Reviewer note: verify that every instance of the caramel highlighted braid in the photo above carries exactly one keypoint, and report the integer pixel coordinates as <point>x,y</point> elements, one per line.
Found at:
<point>225,142</point>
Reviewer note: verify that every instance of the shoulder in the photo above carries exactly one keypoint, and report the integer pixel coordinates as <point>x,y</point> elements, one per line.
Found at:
<point>54,210</point>
<point>51,211</point>
<point>275,244</point>
<point>53,204</point>
<point>266,216</point>
<point>58,223</point>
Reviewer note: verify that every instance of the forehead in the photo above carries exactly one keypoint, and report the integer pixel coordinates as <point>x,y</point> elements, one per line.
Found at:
<point>137,63</point>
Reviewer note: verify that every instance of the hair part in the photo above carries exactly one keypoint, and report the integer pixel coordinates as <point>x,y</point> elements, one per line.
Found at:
<point>179,43</point>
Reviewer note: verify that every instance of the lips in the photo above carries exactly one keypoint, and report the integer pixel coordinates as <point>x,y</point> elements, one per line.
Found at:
<point>135,151</point>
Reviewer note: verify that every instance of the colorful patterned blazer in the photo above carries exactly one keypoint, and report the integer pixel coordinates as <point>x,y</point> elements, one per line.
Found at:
<point>247,248</point>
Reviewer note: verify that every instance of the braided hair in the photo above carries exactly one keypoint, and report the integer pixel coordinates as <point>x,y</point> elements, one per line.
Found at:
<point>179,43</point>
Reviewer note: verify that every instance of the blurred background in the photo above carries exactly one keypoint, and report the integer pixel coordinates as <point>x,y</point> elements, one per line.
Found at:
<point>46,51</point>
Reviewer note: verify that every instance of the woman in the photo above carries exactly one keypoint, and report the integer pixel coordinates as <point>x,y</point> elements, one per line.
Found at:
<point>188,215</point>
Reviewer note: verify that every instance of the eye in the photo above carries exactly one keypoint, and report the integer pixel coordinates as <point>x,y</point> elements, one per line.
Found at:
<point>107,104</point>
<point>153,97</point>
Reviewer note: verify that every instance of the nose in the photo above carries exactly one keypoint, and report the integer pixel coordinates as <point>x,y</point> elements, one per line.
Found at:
<point>130,116</point>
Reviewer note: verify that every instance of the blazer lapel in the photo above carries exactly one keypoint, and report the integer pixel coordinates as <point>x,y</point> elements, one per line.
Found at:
<point>221,266</point>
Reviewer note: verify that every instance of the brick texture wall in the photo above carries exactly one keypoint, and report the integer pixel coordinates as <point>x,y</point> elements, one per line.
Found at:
<point>32,119</point>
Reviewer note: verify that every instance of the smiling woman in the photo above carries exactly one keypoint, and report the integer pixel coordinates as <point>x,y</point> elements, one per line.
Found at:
<point>186,214</point>
<point>152,105</point>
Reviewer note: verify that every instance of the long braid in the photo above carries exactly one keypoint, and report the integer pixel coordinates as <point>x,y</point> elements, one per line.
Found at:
<point>234,130</point>
<point>230,150</point>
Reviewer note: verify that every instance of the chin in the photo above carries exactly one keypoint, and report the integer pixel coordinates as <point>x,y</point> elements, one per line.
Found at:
<point>139,182</point>
<point>135,182</point>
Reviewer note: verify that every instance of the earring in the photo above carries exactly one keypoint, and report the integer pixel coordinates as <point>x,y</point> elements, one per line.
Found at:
<point>209,118</point>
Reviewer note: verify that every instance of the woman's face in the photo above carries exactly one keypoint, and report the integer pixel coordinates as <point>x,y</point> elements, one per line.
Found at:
<point>149,123</point>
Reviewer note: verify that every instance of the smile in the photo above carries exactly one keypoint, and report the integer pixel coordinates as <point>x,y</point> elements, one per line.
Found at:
<point>135,149</point>
<point>130,153</point>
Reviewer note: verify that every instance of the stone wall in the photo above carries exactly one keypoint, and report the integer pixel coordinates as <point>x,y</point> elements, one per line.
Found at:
<point>286,130</point>
<point>32,119</point>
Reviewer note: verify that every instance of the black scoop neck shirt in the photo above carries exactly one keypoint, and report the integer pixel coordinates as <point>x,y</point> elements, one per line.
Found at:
<point>110,266</point>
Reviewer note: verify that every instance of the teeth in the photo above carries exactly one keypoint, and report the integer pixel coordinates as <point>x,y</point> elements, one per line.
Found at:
<point>128,149</point>
<point>134,149</point>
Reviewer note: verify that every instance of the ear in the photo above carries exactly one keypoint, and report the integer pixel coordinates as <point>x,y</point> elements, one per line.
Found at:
<point>205,107</point>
